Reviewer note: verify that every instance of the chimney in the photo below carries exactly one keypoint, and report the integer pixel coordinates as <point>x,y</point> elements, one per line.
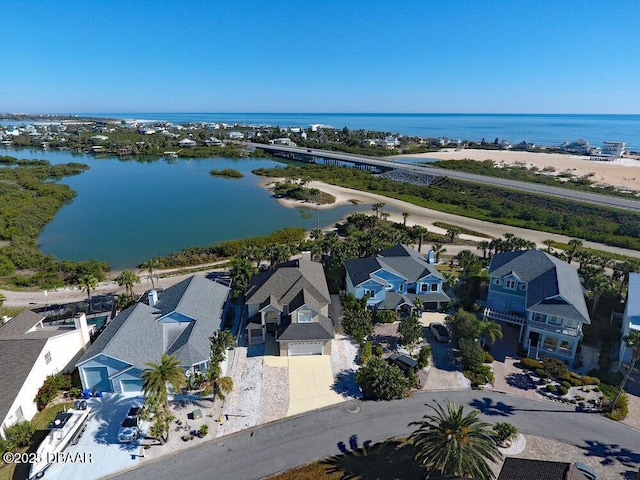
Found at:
<point>153,298</point>
<point>306,255</point>
<point>80,322</point>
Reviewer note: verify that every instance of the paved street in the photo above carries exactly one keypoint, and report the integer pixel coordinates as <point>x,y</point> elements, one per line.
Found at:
<point>280,446</point>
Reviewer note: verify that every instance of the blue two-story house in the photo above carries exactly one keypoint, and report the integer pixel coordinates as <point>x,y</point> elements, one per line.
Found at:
<point>543,296</point>
<point>394,278</point>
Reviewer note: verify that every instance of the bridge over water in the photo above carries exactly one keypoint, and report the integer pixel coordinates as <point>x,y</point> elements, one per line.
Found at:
<point>312,155</point>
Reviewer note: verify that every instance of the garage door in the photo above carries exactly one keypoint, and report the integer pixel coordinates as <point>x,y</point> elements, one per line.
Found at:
<point>305,348</point>
<point>131,386</point>
<point>98,378</point>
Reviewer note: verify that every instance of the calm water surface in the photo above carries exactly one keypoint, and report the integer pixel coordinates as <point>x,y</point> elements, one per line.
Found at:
<point>127,211</point>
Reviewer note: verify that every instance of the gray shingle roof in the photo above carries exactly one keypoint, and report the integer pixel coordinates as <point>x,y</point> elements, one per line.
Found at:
<point>136,337</point>
<point>320,330</point>
<point>399,259</point>
<point>546,277</point>
<point>17,358</point>
<point>19,325</point>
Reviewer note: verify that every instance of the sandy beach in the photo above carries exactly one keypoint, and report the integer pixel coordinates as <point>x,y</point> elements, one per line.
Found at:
<point>623,173</point>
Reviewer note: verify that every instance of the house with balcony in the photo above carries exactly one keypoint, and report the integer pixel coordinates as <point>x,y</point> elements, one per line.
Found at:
<point>177,321</point>
<point>631,317</point>
<point>394,278</point>
<point>31,349</point>
<point>290,302</point>
<point>543,296</point>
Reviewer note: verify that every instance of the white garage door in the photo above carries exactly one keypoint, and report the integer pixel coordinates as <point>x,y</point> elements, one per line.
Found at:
<point>305,348</point>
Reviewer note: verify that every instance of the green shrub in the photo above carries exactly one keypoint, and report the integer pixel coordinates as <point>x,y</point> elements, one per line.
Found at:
<point>586,380</point>
<point>621,409</point>
<point>551,388</point>
<point>530,364</point>
<point>480,375</point>
<point>19,435</point>
<point>563,390</point>
<point>204,430</point>
<point>379,380</point>
<point>472,353</point>
<point>50,389</point>
<point>379,350</point>
<point>541,373</point>
<point>554,366</point>
<point>423,356</point>
<point>573,379</point>
<point>366,353</point>
<point>505,431</point>
<point>384,316</point>
<point>488,358</point>
<point>566,385</point>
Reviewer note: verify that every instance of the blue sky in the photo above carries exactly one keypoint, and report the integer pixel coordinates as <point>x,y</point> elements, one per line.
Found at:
<point>332,56</point>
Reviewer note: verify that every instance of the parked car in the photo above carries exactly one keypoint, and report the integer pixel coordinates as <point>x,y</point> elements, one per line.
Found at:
<point>130,427</point>
<point>440,332</point>
<point>588,471</point>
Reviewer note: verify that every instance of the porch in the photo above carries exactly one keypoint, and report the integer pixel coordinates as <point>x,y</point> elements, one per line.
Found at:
<point>514,318</point>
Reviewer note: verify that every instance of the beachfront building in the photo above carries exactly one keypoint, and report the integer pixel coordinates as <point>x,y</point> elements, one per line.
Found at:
<point>394,278</point>
<point>543,296</point>
<point>290,304</point>
<point>631,317</point>
<point>578,147</point>
<point>613,149</point>
<point>178,321</point>
<point>187,143</point>
<point>31,350</point>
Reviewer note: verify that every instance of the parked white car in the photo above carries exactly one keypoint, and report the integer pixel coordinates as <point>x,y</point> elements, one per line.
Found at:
<point>130,428</point>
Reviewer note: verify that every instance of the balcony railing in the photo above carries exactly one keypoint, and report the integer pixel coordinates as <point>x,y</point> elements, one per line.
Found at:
<point>505,316</point>
<point>572,332</point>
<point>560,352</point>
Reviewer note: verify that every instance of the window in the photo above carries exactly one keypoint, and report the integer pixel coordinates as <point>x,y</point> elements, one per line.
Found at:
<point>550,342</point>
<point>424,287</point>
<point>401,287</point>
<point>369,293</point>
<point>571,323</point>
<point>496,281</point>
<point>18,414</point>
<point>564,345</point>
<point>434,287</point>
<point>510,283</point>
<point>538,317</point>
<point>304,315</point>
<point>553,320</point>
<point>47,357</point>
<point>523,286</point>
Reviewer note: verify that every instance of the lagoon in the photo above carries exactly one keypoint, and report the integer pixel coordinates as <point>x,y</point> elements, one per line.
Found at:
<point>128,210</point>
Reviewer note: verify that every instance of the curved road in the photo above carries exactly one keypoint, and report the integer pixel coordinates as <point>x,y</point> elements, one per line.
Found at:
<point>286,444</point>
<point>564,193</point>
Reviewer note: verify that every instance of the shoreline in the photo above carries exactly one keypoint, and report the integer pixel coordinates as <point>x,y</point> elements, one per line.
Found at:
<point>622,173</point>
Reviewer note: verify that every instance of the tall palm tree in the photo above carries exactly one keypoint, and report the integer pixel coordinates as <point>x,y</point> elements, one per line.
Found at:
<point>419,233</point>
<point>405,215</point>
<point>241,272</point>
<point>157,375</point>
<point>149,265</point>
<point>549,243</point>
<point>128,279</point>
<point>575,245</point>
<point>88,282</point>
<point>451,443</point>
<point>633,341</point>
<point>438,250</point>
<point>452,233</point>
<point>484,246</point>
<point>490,330</point>
<point>216,385</point>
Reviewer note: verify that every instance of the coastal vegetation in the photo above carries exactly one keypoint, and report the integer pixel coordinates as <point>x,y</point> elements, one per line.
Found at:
<point>30,196</point>
<point>498,205</point>
<point>299,192</point>
<point>226,172</point>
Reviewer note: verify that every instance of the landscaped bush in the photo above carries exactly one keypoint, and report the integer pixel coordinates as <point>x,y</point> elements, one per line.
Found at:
<point>379,380</point>
<point>566,385</point>
<point>551,388</point>
<point>19,435</point>
<point>488,358</point>
<point>586,380</point>
<point>204,430</point>
<point>471,352</point>
<point>505,431</point>
<point>541,373</point>
<point>379,350</point>
<point>621,410</point>
<point>555,367</point>
<point>530,364</point>
<point>366,353</point>
<point>573,379</point>
<point>423,356</point>
<point>563,390</point>
<point>384,316</point>
<point>51,387</point>
<point>480,375</point>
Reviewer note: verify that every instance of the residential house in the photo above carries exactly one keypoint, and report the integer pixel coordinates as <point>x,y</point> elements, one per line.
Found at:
<point>613,149</point>
<point>178,321</point>
<point>187,143</point>
<point>543,296</point>
<point>394,278</point>
<point>525,146</point>
<point>631,317</point>
<point>30,351</point>
<point>292,303</point>
<point>236,135</point>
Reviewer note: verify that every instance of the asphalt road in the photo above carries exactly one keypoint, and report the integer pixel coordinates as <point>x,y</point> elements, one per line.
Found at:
<point>286,444</point>
<point>564,193</point>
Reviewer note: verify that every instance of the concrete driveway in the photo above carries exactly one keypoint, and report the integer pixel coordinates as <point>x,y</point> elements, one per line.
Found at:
<point>311,383</point>
<point>99,447</point>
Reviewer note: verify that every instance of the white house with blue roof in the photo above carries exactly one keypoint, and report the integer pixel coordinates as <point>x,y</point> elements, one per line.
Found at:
<point>543,296</point>
<point>631,317</point>
<point>178,322</point>
<point>394,278</point>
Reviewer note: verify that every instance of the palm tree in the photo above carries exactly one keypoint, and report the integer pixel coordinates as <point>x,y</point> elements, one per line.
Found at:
<point>377,207</point>
<point>633,342</point>
<point>149,265</point>
<point>216,385</point>
<point>466,260</point>
<point>438,250</point>
<point>452,233</point>
<point>157,375</point>
<point>88,282</point>
<point>575,245</point>
<point>451,443</point>
<point>484,246</point>
<point>549,243</point>
<point>241,272</point>
<point>490,330</point>
<point>128,279</point>
<point>419,233</point>
<point>404,218</point>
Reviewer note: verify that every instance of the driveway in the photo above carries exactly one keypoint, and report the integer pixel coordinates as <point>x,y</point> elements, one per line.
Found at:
<point>99,444</point>
<point>311,383</point>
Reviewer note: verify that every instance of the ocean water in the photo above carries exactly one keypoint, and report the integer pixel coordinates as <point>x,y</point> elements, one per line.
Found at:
<point>542,129</point>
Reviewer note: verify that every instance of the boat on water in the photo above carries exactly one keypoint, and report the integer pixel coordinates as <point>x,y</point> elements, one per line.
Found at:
<point>66,429</point>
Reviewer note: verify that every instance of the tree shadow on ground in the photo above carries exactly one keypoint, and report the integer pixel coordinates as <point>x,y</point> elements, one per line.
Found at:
<point>383,461</point>
<point>487,407</point>
<point>389,342</point>
<point>610,453</point>
<point>346,385</point>
<point>521,381</point>
<point>109,410</point>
